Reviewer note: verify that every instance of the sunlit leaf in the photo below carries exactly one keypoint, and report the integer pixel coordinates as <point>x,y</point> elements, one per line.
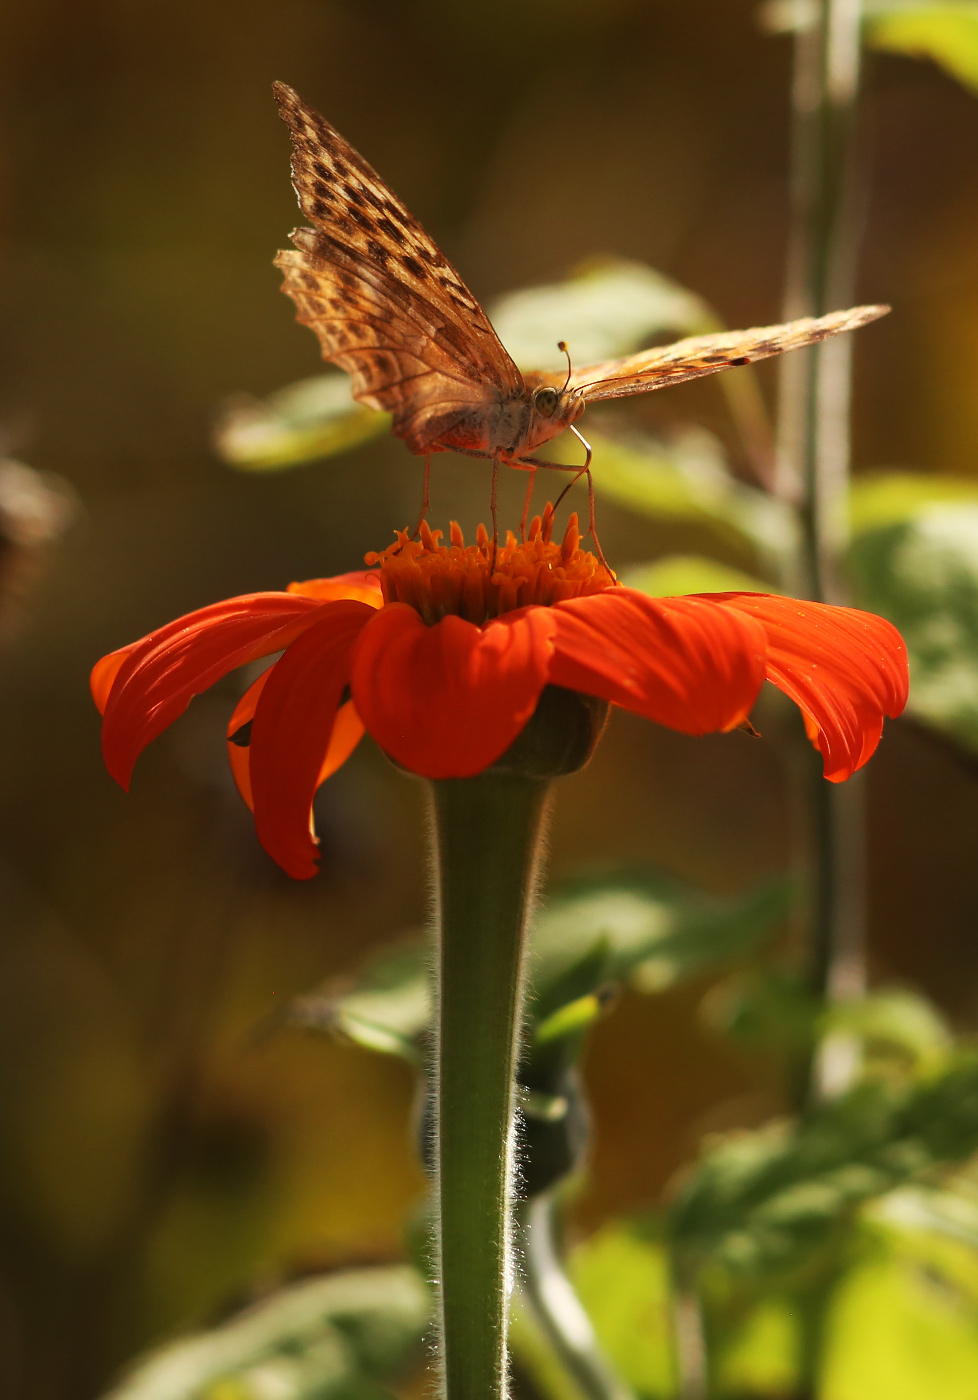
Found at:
<point>764,1202</point>
<point>945,33</point>
<point>686,479</point>
<point>636,926</point>
<point>890,498</point>
<point>622,1276</point>
<point>691,573</point>
<point>314,418</point>
<point>894,1020</point>
<point>385,1009</point>
<point>951,1209</point>
<point>904,1322</point>
<point>346,1333</point>
<point>610,308</point>
<point>643,928</point>
<point>923,575</point>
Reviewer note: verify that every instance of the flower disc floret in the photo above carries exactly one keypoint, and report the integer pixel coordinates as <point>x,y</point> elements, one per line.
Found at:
<point>482,581</point>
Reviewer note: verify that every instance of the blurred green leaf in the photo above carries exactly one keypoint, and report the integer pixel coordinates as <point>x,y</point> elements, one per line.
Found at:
<point>891,498</point>
<point>923,575</point>
<point>342,1335</point>
<point>894,1020</point>
<point>766,1202</point>
<point>622,1276</point>
<point>634,925</point>
<point>314,418</point>
<point>643,928</point>
<point>768,1008</point>
<point>686,478</point>
<point>609,308</point>
<point>951,1210</point>
<point>757,1353</point>
<point>691,573</point>
<point>904,1321</point>
<point>384,1009</point>
<point>946,33</point>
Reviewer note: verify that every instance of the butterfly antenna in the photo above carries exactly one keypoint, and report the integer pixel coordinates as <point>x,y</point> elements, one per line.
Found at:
<point>562,347</point>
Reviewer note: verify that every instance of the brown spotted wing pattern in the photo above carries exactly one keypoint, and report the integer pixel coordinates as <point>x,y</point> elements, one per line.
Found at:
<point>384,301</point>
<point>389,308</point>
<point>706,354</point>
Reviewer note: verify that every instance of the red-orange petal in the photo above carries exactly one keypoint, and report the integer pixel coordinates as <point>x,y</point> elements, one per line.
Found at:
<point>686,663</point>
<point>446,701</point>
<point>362,585</point>
<point>845,669</point>
<point>291,732</point>
<point>159,675</point>
<point>347,733</point>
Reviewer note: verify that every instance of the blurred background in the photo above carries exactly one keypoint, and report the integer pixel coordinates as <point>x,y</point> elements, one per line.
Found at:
<point>160,1162</point>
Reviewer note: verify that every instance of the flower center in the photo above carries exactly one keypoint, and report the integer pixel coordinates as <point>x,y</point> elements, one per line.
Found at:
<point>478,582</point>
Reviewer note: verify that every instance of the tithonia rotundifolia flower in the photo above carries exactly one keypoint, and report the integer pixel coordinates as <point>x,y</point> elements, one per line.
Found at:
<point>441,651</point>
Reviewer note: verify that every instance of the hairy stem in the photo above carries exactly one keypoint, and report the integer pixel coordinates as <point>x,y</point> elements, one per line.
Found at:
<point>488,836</point>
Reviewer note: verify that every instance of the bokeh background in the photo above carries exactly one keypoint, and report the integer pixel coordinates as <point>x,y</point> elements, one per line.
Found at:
<point>157,1159</point>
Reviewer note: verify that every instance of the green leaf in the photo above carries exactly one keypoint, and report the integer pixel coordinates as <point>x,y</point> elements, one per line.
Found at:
<point>691,573</point>
<point>951,1210</point>
<point>314,418</point>
<point>894,1021</point>
<point>767,1007</point>
<point>633,925</point>
<point>610,308</point>
<point>904,1322</point>
<point>923,575</point>
<point>945,33</point>
<point>341,1335</point>
<point>766,1202</point>
<point>622,1276</point>
<point>385,1009</point>
<point>891,498</point>
<point>686,479</point>
<point>643,928</point>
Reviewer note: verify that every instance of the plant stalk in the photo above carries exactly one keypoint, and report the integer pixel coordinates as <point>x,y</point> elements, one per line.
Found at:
<point>488,838</point>
<point>814,461</point>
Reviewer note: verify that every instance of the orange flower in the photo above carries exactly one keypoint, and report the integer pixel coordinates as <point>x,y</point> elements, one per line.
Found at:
<point>442,652</point>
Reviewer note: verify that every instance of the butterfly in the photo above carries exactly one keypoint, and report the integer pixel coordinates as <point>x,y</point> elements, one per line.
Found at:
<point>388,307</point>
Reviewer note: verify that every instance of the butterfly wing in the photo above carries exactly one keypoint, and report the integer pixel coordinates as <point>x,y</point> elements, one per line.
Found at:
<point>707,354</point>
<point>384,301</point>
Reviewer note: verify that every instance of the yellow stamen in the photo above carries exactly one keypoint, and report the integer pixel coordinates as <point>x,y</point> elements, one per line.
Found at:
<point>477,582</point>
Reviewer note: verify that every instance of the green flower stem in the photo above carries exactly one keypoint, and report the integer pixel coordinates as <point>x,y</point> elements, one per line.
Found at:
<point>488,836</point>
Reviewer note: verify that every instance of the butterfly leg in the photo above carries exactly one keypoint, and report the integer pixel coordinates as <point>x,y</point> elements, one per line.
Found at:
<point>492,504</point>
<point>526,504</point>
<point>425,497</point>
<point>592,528</point>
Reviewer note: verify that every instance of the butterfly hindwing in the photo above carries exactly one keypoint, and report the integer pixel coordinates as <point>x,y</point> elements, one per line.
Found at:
<point>707,354</point>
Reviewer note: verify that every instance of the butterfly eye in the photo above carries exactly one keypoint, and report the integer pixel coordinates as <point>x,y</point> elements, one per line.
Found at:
<point>545,401</point>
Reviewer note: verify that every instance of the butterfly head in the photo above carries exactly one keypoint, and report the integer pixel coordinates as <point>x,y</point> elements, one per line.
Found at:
<point>552,409</point>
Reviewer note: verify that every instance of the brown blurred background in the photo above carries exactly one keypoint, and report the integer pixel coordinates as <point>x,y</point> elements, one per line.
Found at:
<point>154,1162</point>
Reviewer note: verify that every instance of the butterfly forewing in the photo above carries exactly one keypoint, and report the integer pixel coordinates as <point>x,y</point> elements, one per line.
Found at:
<point>707,354</point>
<point>384,301</point>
